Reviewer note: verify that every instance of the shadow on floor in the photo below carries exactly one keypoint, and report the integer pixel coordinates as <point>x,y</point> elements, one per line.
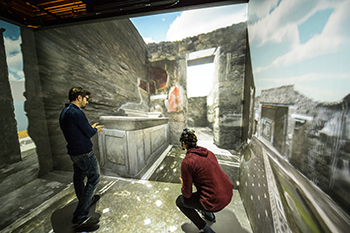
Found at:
<point>226,222</point>
<point>61,219</point>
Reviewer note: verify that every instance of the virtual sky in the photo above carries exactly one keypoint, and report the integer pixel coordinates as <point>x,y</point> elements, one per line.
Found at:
<point>12,40</point>
<point>179,25</point>
<point>305,43</point>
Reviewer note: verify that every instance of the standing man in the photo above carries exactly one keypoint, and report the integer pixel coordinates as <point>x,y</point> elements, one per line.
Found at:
<point>214,189</point>
<point>77,132</point>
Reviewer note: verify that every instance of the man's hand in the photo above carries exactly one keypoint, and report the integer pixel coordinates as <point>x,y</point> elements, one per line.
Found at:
<point>98,127</point>
<point>182,182</point>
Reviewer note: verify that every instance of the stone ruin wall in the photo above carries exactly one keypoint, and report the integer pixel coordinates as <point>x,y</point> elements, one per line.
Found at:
<point>226,106</point>
<point>9,150</point>
<point>109,59</point>
<point>197,112</point>
<point>106,58</point>
<point>321,150</point>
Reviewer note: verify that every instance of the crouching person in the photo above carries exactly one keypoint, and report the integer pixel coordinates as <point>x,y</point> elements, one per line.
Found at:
<point>214,189</point>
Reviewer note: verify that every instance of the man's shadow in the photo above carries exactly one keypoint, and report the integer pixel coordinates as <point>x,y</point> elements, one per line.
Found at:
<point>61,219</point>
<point>226,222</point>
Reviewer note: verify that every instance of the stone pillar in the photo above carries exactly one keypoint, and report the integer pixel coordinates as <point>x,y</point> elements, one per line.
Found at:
<point>178,119</point>
<point>213,103</point>
<point>229,111</point>
<point>9,147</point>
<point>34,106</point>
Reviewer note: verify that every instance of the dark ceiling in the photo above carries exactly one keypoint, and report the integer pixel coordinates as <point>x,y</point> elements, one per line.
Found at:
<point>51,13</point>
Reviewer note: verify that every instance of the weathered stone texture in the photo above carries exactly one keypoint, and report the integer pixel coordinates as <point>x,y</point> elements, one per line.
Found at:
<point>230,78</point>
<point>34,105</point>
<point>225,109</point>
<point>106,58</point>
<point>287,95</point>
<point>9,149</point>
<point>197,112</point>
<point>230,35</point>
<point>321,150</point>
<point>177,77</point>
<point>177,122</point>
<point>248,99</point>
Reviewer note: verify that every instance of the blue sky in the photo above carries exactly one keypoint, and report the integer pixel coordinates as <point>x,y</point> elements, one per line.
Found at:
<point>305,43</point>
<point>153,28</point>
<point>12,40</point>
<point>179,25</point>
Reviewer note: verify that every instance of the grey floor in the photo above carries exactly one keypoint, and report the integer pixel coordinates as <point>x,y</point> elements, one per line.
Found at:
<point>126,205</point>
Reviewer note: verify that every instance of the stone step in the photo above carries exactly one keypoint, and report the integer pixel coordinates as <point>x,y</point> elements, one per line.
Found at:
<point>26,202</point>
<point>18,174</point>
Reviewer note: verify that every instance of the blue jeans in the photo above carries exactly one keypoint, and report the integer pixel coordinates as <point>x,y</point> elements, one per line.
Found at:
<point>85,165</point>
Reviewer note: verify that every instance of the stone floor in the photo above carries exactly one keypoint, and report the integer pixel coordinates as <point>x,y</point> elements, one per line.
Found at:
<point>169,168</point>
<point>126,205</point>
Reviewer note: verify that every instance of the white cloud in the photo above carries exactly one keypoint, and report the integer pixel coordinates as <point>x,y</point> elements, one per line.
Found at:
<point>148,40</point>
<point>321,94</point>
<point>194,22</point>
<point>261,8</point>
<point>15,63</point>
<point>284,20</point>
<point>12,77</point>
<point>12,46</point>
<point>14,57</point>
<point>329,41</point>
<point>318,86</point>
<point>306,78</point>
<point>20,74</point>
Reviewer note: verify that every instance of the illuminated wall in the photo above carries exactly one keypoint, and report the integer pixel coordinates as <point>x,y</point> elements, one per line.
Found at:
<point>300,60</point>
<point>106,58</point>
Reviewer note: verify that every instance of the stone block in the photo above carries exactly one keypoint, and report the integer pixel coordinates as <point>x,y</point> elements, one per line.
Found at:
<point>127,151</point>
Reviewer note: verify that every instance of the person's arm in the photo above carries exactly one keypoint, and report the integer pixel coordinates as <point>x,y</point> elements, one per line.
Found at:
<point>187,180</point>
<point>83,124</point>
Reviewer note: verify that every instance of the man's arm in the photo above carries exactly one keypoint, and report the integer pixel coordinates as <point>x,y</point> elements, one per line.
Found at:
<point>83,124</point>
<point>186,180</point>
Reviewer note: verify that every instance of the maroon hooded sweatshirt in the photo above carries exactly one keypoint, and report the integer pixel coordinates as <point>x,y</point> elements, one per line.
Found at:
<point>201,168</point>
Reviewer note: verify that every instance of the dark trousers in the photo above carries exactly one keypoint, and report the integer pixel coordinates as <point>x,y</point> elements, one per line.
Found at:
<point>85,165</point>
<point>188,206</point>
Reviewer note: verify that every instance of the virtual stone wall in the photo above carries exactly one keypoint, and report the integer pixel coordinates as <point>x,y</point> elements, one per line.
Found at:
<point>106,58</point>
<point>9,149</point>
<point>34,105</point>
<point>226,108</point>
<point>176,77</point>
<point>321,150</point>
<point>197,112</point>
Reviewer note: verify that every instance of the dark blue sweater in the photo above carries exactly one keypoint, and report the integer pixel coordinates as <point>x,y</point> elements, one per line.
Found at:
<point>76,129</point>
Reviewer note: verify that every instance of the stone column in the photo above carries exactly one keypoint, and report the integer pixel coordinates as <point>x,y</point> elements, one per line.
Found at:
<point>178,119</point>
<point>9,145</point>
<point>229,113</point>
<point>34,105</point>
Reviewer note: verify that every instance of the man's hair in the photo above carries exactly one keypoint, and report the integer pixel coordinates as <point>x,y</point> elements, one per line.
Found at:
<point>76,91</point>
<point>189,138</point>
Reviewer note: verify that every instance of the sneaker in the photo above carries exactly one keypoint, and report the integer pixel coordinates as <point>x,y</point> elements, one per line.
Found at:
<point>95,199</point>
<point>208,216</point>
